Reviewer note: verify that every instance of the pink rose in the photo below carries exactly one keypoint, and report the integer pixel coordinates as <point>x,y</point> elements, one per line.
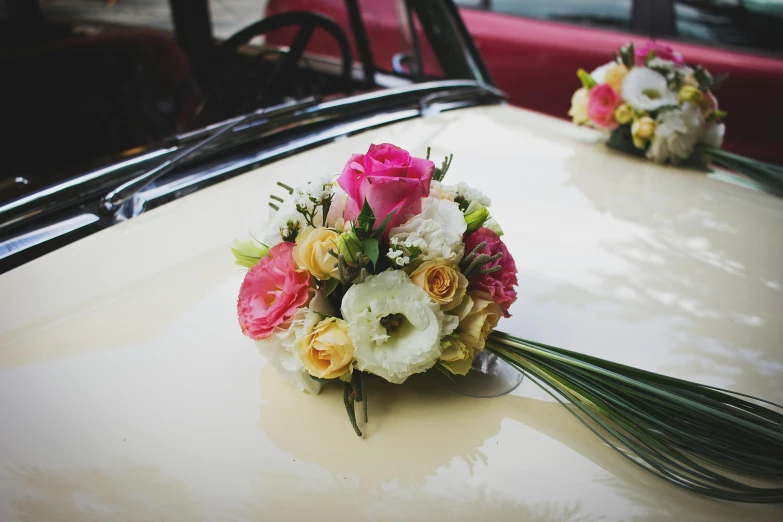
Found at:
<point>499,284</point>
<point>390,179</point>
<point>601,103</point>
<point>709,104</point>
<point>271,292</point>
<point>664,52</point>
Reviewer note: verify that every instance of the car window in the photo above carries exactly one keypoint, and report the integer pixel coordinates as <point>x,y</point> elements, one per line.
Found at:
<point>753,24</point>
<point>609,14</point>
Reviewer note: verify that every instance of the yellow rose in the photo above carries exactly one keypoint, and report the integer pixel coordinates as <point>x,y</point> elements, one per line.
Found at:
<point>312,252</point>
<point>456,357</point>
<point>445,285</point>
<point>642,131</point>
<point>478,316</point>
<point>578,110</point>
<point>615,76</point>
<point>623,114</point>
<point>326,350</point>
<point>689,93</point>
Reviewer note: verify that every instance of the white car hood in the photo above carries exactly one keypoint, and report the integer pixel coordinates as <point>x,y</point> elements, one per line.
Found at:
<point>127,391</point>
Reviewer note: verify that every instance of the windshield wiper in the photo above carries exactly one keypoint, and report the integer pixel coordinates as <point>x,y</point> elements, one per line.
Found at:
<point>112,201</point>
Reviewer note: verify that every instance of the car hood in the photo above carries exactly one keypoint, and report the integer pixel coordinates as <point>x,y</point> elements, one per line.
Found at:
<point>127,391</point>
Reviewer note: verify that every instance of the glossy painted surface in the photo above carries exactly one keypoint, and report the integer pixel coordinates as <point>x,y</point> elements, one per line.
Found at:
<point>127,391</point>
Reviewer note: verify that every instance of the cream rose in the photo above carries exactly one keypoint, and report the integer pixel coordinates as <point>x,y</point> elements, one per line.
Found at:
<point>642,131</point>
<point>578,111</point>
<point>478,316</point>
<point>616,75</point>
<point>312,252</point>
<point>445,285</point>
<point>623,113</point>
<point>325,348</point>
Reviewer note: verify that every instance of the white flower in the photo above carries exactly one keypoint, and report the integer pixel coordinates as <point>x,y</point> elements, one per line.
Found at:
<point>440,191</point>
<point>279,349</point>
<point>599,74</point>
<point>578,111</point>
<point>398,256</point>
<point>471,195</point>
<point>676,133</point>
<point>335,219</point>
<point>437,231</point>
<point>713,135</point>
<point>647,90</point>
<point>394,325</point>
<point>280,222</point>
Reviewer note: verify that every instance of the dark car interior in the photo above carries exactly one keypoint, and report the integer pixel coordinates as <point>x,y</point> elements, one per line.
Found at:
<point>93,93</point>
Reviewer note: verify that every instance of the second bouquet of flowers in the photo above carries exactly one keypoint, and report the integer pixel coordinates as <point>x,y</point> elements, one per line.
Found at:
<point>654,104</point>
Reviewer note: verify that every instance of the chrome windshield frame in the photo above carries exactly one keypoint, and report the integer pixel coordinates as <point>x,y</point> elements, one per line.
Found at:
<point>29,225</point>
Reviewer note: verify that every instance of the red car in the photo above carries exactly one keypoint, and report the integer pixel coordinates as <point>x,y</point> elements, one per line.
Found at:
<point>533,50</point>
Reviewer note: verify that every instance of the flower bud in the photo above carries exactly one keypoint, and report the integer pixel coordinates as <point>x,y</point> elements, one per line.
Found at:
<point>642,131</point>
<point>623,114</point>
<point>349,245</point>
<point>689,93</point>
<point>248,253</point>
<point>476,219</point>
<point>494,226</point>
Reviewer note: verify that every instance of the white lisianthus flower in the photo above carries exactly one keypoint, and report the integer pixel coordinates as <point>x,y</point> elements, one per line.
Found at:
<point>394,325</point>
<point>280,350</point>
<point>647,90</point>
<point>676,133</point>
<point>437,231</point>
<point>599,73</point>
<point>713,134</point>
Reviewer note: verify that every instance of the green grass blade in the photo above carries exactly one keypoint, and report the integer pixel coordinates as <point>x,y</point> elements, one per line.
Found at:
<point>685,433</point>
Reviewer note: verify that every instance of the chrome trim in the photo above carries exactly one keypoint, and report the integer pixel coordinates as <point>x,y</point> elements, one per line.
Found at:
<point>259,142</point>
<point>62,188</point>
<point>201,178</point>
<point>36,237</point>
<point>121,194</point>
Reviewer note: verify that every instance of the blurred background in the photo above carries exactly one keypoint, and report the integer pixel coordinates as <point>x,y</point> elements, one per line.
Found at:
<point>88,81</point>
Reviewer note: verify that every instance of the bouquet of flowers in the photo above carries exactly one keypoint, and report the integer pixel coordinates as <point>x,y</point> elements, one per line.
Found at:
<point>654,104</point>
<point>388,271</point>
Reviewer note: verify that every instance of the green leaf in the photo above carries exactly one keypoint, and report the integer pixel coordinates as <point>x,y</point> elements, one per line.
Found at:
<point>382,227</point>
<point>650,56</point>
<point>627,55</point>
<point>366,218</point>
<point>718,114</point>
<point>329,286</point>
<point>703,77</point>
<point>371,249</point>
<point>587,80</point>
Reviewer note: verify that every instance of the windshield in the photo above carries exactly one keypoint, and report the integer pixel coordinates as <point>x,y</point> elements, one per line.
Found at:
<point>96,82</point>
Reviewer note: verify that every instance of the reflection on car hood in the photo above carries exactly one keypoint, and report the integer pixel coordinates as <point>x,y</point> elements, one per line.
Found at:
<point>127,389</point>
